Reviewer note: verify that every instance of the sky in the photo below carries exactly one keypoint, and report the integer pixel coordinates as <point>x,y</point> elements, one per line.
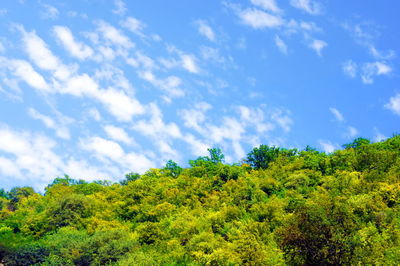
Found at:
<point>98,88</point>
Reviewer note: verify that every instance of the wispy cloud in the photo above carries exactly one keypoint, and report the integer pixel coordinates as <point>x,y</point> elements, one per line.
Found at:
<point>281,45</point>
<point>337,114</point>
<point>61,130</point>
<point>310,6</point>
<point>370,70</point>
<point>120,7</point>
<point>318,46</point>
<point>49,12</point>
<point>205,30</point>
<point>350,68</point>
<point>118,134</point>
<point>76,49</point>
<point>269,5</point>
<point>328,146</point>
<point>259,19</point>
<point>394,104</point>
<point>134,25</point>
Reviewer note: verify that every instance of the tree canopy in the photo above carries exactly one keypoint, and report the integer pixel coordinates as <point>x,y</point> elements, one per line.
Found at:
<point>278,207</point>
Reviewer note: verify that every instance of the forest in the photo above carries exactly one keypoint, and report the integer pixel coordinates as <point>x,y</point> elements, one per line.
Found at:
<point>276,207</point>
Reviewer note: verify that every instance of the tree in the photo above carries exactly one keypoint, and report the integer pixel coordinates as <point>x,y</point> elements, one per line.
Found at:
<point>216,155</point>
<point>261,157</point>
<point>358,142</point>
<point>172,168</point>
<point>129,177</point>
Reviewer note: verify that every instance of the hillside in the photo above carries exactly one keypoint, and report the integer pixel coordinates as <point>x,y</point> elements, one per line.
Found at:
<point>277,207</point>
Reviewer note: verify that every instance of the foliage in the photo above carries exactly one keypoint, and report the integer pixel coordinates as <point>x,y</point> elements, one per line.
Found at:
<point>279,207</point>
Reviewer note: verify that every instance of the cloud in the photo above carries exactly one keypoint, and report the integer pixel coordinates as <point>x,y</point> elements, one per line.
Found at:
<point>394,104</point>
<point>61,130</point>
<point>351,132</point>
<point>159,132</point>
<point>120,7</point>
<point>189,63</point>
<point>350,68</point>
<point>269,5</point>
<point>338,115</point>
<point>29,156</point>
<point>382,55</point>
<point>41,55</point>
<point>118,134</point>
<point>76,49</point>
<point>25,72</point>
<point>170,85</point>
<point>205,30</point>
<point>281,45</point>
<point>282,118</point>
<point>113,35</point>
<point>119,104</point>
<point>369,70</point>
<point>105,150</point>
<point>49,12</point>
<point>134,25</point>
<point>327,146</point>
<point>310,6</point>
<point>259,19</point>
<point>317,46</point>
<point>378,137</point>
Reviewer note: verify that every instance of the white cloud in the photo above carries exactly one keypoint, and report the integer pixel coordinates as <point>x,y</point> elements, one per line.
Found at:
<point>9,168</point>
<point>378,135</point>
<point>118,134</point>
<point>3,12</point>
<point>61,130</point>
<point>198,148</point>
<point>281,45</point>
<point>120,7</point>
<point>76,49</point>
<point>134,25</point>
<point>310,6</point>
<point>119,104</point>
<point>350,68</point>
<point>32,156</point>
<point>259,19</point>
<point>2,48</point>
<point>282,118</point>
<point>113,35</point>
<point>369,70</point>
<point>25,72</point>
<point>38,51</point>
<point>104,148</point>
<point>94,113</point>
<point>189,63</point>
<point>193,118</point>
<point>317,46</point>
<point>351,132</point>
<point>213,55</point>
<point>160,132</point>
<point>381,55</point>
<point>205,30</point>
<point>269,5</point>
<point>327,146</point>
<point>170,84</point>
<point>394,104</point>
<point>49,12</point>
<point>338,115</point>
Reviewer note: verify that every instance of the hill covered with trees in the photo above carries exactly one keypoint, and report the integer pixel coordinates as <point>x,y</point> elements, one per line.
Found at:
<point>277,207</point>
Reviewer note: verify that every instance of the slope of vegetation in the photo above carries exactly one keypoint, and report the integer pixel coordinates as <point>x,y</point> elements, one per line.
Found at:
<point>278,207</point>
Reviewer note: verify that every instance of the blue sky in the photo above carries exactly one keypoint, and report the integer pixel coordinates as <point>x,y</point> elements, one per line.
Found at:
<point>96,89</point>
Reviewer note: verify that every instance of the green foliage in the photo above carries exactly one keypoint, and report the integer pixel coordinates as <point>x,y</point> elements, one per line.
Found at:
<point>172,169</point>
<point>280,207</point>
<point>130,177</point>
